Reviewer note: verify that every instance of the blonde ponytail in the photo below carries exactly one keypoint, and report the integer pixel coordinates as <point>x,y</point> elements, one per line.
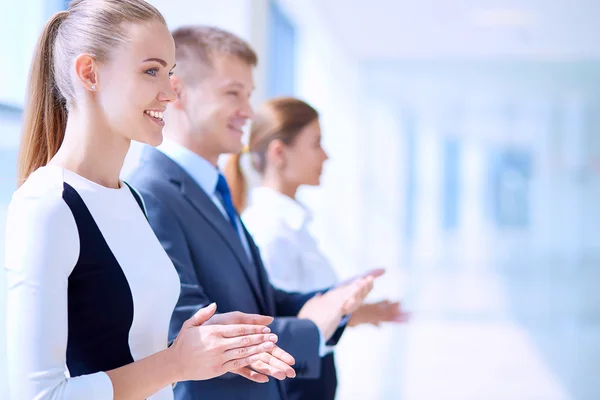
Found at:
<point>89,26</point>
<point>45,116</point>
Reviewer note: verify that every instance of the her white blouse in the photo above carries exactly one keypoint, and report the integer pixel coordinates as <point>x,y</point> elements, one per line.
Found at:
<point>279,226</point>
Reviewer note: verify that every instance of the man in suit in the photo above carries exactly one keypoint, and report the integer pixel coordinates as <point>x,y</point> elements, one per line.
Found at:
<point>190,209</point>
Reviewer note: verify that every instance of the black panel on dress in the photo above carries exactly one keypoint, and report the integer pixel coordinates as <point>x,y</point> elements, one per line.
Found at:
<point>100,303</point>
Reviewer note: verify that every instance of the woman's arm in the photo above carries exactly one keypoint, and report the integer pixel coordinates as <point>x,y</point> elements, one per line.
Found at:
<point>198,353</point>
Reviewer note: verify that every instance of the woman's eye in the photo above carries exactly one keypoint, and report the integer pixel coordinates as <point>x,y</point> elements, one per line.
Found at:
<point>233,93</point>
<point>152,71</point>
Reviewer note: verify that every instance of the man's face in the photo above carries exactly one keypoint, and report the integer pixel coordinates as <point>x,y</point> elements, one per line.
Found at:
<point>218,105</point>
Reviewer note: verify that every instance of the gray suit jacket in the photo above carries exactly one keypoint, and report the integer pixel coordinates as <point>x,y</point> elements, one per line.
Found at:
<point>213,267</point>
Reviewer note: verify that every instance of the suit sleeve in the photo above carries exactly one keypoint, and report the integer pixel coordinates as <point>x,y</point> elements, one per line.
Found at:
<point>299,337</point>
<point>42,248</point>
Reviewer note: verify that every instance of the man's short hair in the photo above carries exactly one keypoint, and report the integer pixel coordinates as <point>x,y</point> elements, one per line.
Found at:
<point>197,46</point>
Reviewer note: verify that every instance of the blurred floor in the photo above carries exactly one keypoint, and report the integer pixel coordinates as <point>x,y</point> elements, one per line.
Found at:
<point>510,331</point>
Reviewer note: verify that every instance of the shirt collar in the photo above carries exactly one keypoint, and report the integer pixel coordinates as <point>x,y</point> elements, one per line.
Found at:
<point>202,172</point>
<point>292,212</point>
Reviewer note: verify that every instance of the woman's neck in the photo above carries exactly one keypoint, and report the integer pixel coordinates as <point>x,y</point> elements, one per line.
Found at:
<point>91,150</point>
<point>279,185</point>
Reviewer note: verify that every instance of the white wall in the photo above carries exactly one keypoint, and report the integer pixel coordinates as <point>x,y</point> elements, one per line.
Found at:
<point>329,79</point>
<point>354,209</point>
<point>384,175</point>
<point>20,26</point>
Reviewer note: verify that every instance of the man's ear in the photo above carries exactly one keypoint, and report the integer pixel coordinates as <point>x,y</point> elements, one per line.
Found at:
<point>178,87</point>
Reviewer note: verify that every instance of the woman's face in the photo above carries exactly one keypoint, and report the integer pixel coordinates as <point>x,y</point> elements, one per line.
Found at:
<point>303,159</point>
<point>134,85</point>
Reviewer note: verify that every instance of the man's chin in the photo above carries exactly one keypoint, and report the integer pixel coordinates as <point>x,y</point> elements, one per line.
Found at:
<point>234,148</point>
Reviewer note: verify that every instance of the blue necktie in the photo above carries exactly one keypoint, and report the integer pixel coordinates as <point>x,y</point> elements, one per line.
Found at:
<point>223,190</point>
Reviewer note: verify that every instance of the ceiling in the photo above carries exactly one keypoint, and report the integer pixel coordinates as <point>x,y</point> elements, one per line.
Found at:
<point>399,29</point>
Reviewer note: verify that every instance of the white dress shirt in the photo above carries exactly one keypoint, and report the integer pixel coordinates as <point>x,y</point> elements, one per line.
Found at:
<point>279,226</point>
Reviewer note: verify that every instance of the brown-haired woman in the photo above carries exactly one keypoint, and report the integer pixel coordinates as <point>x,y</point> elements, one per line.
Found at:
<point>285,146</point>
<point>91,290</point>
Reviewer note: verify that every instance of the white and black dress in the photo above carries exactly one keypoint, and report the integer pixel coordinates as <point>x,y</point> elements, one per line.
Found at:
<point>90,287</point>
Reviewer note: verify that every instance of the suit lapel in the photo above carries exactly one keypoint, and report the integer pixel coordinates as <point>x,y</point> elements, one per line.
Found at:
<point>204,205</point>
<point>200,200</point>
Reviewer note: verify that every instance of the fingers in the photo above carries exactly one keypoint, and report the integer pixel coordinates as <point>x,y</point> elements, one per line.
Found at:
<point>391,310</point>
<point>385,311</point>
<point>252,319</point>
<point>201,316</point>
<point>384,308</point>
<point>351,305</point>
<point>394,307</point>
<point>368,286</point>
<point>242,318</point>
<point>362,288</point>
<point>231,331</point>
<point>238,363</point>
<point>266,369</point>
<point>359,291</point>
<point>283,355</point>
<point>273,361</point>
<point>375,273</point>
<point>252,375</point>
<point>250,340</point>
<point>403,317</point>
<point>248,350</point>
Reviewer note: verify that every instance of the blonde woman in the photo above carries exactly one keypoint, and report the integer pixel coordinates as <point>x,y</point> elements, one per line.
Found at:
<point>91,290</point>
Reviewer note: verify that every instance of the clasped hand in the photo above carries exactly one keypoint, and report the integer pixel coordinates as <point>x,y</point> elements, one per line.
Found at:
<point>210,345</point>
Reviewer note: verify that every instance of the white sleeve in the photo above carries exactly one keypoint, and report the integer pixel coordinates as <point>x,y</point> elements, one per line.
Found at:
<point>42,248</point>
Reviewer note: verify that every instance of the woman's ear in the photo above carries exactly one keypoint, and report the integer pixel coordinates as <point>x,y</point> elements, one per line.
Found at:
<point>276,154</point>
<point>86,71</point>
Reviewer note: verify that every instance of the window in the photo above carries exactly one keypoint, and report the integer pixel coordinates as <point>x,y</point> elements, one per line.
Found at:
<point>10,120</point>
<point>411,178</point>
<point>281,56</point>
<point>510,171</point>
<point>451,174</point>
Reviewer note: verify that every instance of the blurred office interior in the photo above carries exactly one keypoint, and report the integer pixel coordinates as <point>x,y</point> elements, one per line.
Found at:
<point>464,139</point>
